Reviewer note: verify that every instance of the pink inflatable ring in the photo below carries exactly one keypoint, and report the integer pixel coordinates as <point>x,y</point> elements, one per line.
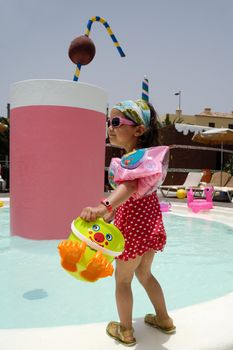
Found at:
<point>197,205</point>
<point>164,206</point>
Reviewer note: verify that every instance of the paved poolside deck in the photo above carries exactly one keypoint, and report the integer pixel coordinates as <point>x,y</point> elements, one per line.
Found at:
<point>176,200</point>
<point>206,326</point>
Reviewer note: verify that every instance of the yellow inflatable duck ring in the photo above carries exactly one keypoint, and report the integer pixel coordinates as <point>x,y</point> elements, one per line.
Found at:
<point>88,252</point>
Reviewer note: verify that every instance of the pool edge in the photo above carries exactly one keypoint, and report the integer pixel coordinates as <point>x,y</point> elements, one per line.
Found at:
<point>205,326</point>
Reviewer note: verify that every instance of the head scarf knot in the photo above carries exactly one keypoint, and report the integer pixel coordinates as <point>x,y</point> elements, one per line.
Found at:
<point>138,111</point>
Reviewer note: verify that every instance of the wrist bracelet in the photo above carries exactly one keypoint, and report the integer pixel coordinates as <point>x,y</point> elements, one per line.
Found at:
<point>107,204</point>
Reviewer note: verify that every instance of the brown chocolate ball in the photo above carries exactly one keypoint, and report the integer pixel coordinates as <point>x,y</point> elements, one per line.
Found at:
<point>82,50</point>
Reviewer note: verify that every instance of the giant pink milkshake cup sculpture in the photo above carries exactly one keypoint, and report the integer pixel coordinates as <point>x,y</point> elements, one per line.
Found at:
<point>57,154</point>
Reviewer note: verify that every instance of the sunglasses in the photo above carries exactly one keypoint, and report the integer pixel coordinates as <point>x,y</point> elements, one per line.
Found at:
<point>116,122</point>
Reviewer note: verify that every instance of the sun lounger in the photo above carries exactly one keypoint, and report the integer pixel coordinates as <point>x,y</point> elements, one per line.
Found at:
<point>216,178</point>
<point>192,180</point>
<point>227,189</point>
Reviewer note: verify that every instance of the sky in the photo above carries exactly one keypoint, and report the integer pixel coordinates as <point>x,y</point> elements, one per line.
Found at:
<point>180,45</point>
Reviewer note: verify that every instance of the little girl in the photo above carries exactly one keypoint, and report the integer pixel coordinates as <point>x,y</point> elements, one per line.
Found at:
<point>133,126</point>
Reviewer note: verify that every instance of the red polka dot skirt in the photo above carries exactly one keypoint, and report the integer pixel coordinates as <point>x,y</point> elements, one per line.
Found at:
<point>140,221</point>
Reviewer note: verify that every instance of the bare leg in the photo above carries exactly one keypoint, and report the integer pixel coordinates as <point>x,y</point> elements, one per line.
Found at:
<point>124,297</point>
<point>152,286</point>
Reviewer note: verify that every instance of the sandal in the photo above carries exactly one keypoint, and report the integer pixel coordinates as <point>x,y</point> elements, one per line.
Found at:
<point>121,334</point>
<point>151,320</point>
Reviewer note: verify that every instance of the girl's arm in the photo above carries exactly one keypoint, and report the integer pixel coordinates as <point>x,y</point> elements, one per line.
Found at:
<point>116,198</point>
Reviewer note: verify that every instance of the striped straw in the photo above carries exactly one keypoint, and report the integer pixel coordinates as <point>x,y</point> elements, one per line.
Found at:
<point>77,72</point>
<point>145,89</point>
<point>87,33</point>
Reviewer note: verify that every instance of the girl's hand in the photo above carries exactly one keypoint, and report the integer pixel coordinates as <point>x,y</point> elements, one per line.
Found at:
<point>109,216</point>
<point>92,213</point>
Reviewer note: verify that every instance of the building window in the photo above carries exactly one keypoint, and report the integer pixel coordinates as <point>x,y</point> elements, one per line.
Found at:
<point>230,126</point>
<point>212,125</point>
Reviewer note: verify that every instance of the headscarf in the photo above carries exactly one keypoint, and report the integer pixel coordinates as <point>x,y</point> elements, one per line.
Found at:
<point>138,111</point>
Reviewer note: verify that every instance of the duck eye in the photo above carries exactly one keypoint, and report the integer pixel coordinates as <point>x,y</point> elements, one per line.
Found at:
<point>108,237</point>
<point>95,228</point>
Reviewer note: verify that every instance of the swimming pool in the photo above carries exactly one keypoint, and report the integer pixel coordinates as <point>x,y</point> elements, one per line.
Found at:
<point>196,266</point>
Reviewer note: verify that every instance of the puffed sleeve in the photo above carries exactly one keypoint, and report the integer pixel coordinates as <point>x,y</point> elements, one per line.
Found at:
<point>148,166</point>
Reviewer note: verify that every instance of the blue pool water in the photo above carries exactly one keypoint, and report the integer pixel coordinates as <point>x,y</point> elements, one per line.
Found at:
<point>196,265</point>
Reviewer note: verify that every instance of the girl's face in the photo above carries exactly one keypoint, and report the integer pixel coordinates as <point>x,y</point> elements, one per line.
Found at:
<point>124,136</point>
